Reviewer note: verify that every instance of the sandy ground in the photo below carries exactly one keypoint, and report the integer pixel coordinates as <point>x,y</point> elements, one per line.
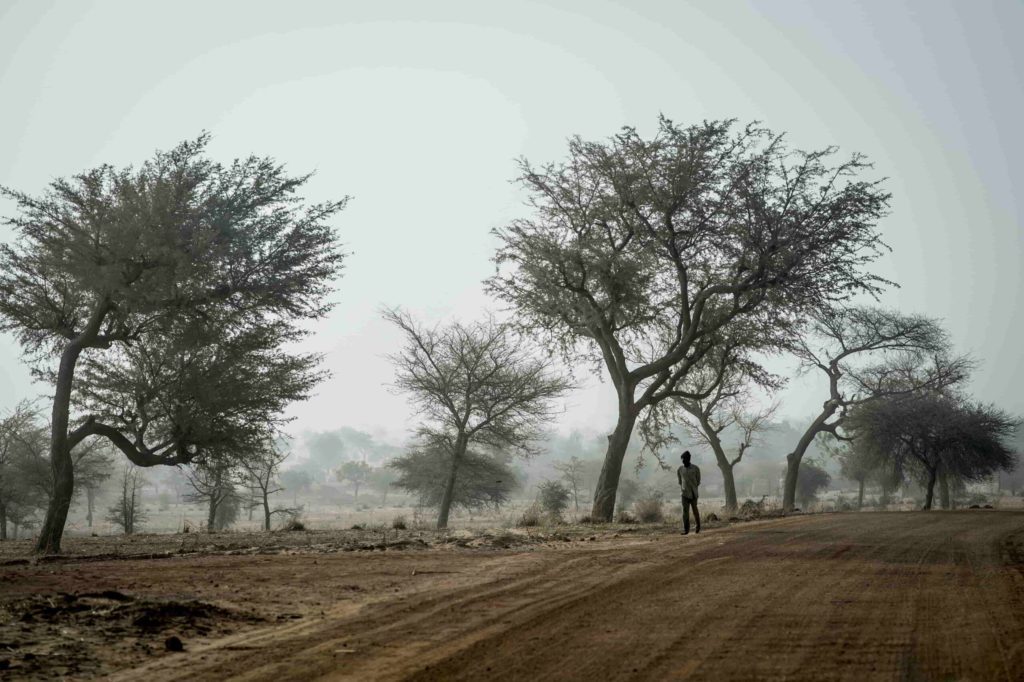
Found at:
<point>902,596</point>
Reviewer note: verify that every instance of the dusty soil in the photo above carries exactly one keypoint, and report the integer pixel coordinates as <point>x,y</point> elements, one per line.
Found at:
<point>904,596</point>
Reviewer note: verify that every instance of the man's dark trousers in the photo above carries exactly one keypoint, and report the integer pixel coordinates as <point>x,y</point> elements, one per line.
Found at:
<point>687,503</point>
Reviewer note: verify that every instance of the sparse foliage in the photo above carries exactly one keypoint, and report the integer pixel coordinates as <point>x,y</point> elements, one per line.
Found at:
<point>554,498</point>
<point>110,258</point>
<point>642,253</point>
<point>868,354</point>
<point>475,385</point>
<point>127,512</point>
<point>484,480</point>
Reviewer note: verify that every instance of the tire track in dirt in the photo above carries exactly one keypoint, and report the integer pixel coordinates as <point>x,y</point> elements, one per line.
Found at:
<point>845,596</point>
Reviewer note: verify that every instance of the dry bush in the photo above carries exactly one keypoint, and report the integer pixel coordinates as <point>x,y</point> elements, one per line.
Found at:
<point>531,517</point>
<point>649,510</point>
<point>398,523</point>
<point>625,517</point>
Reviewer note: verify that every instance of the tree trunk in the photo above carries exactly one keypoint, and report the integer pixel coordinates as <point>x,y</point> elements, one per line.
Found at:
<point>929,490</point>
<point>793,459</point>
<point>211,514</point>
<point>608,481</point>
<point>15,529</point>
<point>449,488</point>
<point>266,512</point>
<point>60,455</point>
<point>90,504</point>
<point>943,488</point>
<point>356,500</point>
<point>860,496</point>
<point>3,521</point>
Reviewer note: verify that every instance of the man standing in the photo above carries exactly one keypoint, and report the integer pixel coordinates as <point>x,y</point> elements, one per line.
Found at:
<point>689,481</point>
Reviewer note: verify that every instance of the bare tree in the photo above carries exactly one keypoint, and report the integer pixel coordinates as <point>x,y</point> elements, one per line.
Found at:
<point>109,256</point>
<point>474,385</point>
<point>868,354</point>
<point>728,405</point>
<point>262,468</point>
<point>572,473</point>
<point>641,254</point>
<point>127,511</point>
<point>214,482</point>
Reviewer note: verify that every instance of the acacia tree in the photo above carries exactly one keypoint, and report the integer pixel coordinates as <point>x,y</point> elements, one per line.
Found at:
<point>475,385</point>
<point>109,255</point>
<point>13,428</point>
<point>483,479</point>
<point>127,511</point>
<point>214,482</point>
<point>572,474</point>
<point>642,252</point>
<point>928,434</point>
<point>355,473</point>
<point>262,468</point>
<point>867,354</point>
<point>728,406</point>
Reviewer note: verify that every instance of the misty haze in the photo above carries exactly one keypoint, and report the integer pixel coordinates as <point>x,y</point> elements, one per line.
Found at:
<point>536,341</point>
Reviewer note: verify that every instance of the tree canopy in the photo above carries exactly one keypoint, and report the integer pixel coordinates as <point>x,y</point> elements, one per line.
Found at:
<point>115,258</point>
<point>640,253</point>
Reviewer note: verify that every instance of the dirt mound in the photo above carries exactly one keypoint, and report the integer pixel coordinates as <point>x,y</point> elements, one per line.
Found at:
<point>63,633</point>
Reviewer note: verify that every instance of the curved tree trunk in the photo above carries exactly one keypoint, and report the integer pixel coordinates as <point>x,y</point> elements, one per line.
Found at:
<point>449,487</point>
<point>793,459</point>
<point>61,465</point>
<point>608,481</point>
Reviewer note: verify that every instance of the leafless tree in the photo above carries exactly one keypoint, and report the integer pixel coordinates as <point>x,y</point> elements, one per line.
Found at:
<point>572,472</point>
<point>262,469</point>
<point>474,384</point>
<point>729,406</point>
<point>127,511</point>
<point>214,482</point>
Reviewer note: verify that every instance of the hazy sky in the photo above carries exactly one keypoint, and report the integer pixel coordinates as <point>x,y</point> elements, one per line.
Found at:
<point>418,109</point>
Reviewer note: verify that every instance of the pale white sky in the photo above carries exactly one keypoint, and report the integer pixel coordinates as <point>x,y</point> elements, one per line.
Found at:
<point>418,109</point>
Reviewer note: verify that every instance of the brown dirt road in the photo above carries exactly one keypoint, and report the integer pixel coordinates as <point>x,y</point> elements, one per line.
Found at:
<point>900,596</point>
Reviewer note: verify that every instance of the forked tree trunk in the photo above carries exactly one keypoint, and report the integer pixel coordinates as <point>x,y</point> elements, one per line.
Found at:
<point>608,481</point>
<point>60,455</point>
<point>449,487</point>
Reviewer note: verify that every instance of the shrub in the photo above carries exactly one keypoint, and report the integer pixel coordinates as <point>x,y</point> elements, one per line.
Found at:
<point>294,523</point>
<point>530,517</point>
<point>625,517</point>
<point>586,520</point>
<point>554,498</point>
<point>398,523</point>
<point>357,526</point>
<point>648,510</point>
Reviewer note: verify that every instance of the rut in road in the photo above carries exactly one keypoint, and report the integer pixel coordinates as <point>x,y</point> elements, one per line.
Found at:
<point>842,596</point>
